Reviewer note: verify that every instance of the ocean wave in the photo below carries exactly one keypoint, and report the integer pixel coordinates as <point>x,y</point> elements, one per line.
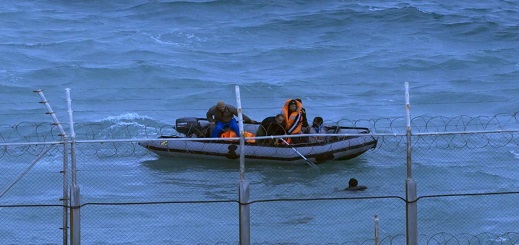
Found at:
<point>123,118</point>
<point>126,125</point>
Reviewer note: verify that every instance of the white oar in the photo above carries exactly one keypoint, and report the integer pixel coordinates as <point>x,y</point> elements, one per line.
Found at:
<point>311,164</point>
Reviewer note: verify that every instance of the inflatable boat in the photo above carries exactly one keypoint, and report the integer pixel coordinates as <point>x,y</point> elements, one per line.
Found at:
<point>192,141</point>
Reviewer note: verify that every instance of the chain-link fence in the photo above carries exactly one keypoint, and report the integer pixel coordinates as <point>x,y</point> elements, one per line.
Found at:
<point>465,170</point>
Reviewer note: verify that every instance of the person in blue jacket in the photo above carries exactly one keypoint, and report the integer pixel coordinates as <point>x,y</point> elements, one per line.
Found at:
<point>221,116</point>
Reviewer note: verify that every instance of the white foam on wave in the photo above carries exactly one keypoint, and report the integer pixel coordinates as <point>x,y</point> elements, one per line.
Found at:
<point>124,124</point>
<point>179,39</point>
<point>131,116</point>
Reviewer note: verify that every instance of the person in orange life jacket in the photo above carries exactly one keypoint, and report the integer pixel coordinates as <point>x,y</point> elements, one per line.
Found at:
<point>305,119</point>
<point>222,117</point>
<point>293,118</point>
<point>317,128</point>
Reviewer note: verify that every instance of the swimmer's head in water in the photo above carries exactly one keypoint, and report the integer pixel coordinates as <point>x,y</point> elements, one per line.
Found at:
<point>353,182</point>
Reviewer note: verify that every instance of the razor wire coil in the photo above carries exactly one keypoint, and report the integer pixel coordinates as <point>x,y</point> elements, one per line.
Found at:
<point>460,132</point>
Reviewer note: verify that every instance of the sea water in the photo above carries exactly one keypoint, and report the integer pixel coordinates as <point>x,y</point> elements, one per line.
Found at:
<point>133,67</point>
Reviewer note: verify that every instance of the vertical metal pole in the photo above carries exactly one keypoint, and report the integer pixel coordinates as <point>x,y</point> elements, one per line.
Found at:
<point>244,213</point>
<point>75,221</point>
<point>242,134</point>
<point>243,187</point>
<point>376,229</point>
<point>65,191</point>
<point>72,137</point>
<point>408,131</point>
<point>411,190</point>
<point>65,198</point>
<point>75,217</point>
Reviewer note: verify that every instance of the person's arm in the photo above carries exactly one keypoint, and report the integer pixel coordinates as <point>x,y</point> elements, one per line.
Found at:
<point>235,112</point>
<point>356,188</point>
<point>247,119</point>
<point>305,119</point>
<point>210,114</point>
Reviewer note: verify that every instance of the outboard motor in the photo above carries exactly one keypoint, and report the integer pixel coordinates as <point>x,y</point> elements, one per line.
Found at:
<point>189,126</point>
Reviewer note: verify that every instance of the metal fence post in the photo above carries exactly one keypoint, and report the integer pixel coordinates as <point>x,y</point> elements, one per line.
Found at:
<point>75,201</point>
<point>411,213</point>
<point>244,213</point>
<point>410,184</point>
<point>376,229</point>
<point>75,225</point>
<point>243,188</point>
<point>65,190</point>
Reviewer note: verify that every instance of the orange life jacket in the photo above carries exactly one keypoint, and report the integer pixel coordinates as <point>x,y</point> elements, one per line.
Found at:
<point>294,121</point>
<point>232,134</point>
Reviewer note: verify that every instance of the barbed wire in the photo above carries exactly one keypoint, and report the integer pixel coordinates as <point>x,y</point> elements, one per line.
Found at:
<point>439,132</point>
<point>135,128</point>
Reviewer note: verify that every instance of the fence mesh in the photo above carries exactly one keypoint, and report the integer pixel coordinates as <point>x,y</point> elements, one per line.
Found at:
<point>464,167</point>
